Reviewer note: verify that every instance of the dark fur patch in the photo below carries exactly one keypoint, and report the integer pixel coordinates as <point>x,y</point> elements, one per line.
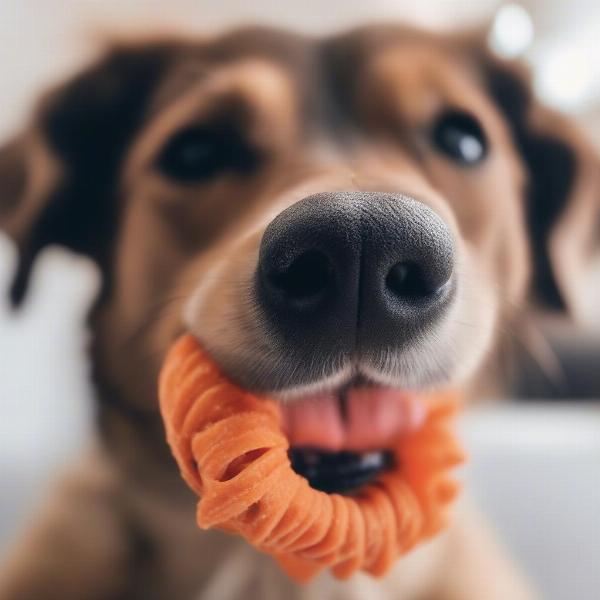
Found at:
<point>551,173</point>
<point>89,123</point>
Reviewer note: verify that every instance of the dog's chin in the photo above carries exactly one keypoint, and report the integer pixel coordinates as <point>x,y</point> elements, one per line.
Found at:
<point>341,438</point>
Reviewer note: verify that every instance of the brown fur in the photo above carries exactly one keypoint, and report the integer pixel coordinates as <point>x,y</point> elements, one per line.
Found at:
<point>350,112</point>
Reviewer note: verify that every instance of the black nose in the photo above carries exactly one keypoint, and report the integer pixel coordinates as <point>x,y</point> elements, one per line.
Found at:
<point>343,271</point>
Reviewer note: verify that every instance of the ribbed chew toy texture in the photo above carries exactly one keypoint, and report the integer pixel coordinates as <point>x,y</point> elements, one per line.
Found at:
<point>232,453</point>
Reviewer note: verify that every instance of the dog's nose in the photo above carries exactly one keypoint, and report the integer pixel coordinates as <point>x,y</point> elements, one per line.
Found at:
<point>355,269</point>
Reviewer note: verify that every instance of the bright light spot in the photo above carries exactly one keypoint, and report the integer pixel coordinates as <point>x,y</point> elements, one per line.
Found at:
<point>471,148</point>
<point>512,31</point>
<point>567,76</point>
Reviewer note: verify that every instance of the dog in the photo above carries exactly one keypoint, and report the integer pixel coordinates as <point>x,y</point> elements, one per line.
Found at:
<point>379,208</point>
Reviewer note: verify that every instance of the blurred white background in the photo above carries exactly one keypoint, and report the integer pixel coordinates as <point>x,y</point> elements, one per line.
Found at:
<point>535,468</point>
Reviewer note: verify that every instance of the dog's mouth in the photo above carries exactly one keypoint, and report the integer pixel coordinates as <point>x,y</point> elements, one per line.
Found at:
<point>340,440</point>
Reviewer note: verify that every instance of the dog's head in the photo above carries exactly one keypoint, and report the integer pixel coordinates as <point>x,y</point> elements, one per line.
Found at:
<point>363,210</point>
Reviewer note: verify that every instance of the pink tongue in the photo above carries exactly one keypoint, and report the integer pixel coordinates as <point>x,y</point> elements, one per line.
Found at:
<point>374,416</point>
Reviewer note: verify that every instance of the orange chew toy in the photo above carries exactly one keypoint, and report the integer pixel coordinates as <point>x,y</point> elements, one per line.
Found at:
<point>231,451</point>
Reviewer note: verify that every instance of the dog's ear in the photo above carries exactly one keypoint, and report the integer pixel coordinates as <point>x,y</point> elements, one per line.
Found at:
<point>563,185</point>
<point>57,178</point>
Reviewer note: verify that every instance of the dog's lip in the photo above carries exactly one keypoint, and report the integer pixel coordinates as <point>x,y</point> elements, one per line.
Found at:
<point>358,418</point>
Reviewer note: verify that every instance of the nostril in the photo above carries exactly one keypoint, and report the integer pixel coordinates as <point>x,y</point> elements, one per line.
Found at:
<point>306,277</point>
<point>408,280</point>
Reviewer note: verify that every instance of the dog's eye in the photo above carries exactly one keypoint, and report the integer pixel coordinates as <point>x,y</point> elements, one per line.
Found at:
<point>460,137</point>
<point>199,153</point>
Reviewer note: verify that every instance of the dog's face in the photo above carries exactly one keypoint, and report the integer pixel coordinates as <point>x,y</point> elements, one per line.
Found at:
<point>362,211</point>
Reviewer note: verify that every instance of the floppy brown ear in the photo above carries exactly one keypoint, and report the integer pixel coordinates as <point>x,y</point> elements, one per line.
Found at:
<point>563,186</point>
<point>57,179</point>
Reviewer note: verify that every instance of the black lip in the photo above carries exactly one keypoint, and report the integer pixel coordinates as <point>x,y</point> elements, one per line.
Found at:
<point>339,472</point>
